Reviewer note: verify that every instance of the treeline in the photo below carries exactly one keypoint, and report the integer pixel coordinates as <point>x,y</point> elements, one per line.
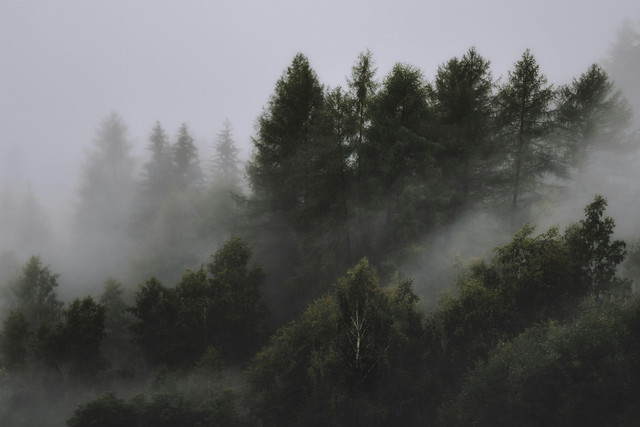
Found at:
<point>340,180</point>
<point>544,332</point>
<point>338,174</point>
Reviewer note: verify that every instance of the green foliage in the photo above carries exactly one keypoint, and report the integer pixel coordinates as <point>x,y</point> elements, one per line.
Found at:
<point>13,341</point>
<point>578,373</point>
<point>176,325</point>
<point>596,255</point>
<point>238,314</point>
<point>35,293</point>
<point>463,104</point>
<point>340,361</point>
<point>525,128</point>
<point>531,280</point>
<point>105,411</point>
<point>82,336</point>
<point>592,113</point>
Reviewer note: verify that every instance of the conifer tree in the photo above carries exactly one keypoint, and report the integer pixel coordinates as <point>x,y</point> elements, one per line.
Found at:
<point>526,129</point>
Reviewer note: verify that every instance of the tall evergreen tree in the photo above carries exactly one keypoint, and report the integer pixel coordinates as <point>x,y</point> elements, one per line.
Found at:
<point>285,174</point>
<point>278,171</point>
<point>524,118</point>
<point>107,178</point>
<point>103,213</point>
<point>623,63</point>
<point>158,170</point>
<point>186,161</point>
<point>225,160</point>
<point>463,96</point>
<point>362,89</point>
<point>592,114</point>
<point>396,162</point>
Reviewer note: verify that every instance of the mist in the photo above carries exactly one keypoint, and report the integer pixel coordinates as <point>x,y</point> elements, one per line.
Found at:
<point>132,156</point>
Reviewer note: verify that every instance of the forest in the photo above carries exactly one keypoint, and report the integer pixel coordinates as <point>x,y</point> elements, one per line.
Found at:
<point>308,285</point>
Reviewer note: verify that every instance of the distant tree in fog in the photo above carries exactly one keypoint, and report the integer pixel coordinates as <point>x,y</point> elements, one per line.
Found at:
<point>107,180</point>
<point>592,113</point>
<point>226,165</point>
<point>158,171</point>
<point>186,162</point>
<point>623,63</point>
<point>35,295</point>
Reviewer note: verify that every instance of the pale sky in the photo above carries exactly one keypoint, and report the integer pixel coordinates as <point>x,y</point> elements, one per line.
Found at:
<point>65,64</point>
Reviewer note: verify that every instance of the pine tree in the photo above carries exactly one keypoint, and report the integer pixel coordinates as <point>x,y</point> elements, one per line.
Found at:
<point>225,160</point>
<point>463,96</point>
<point>526,129</point>
<point>186,162</point>
<point>592,114</point>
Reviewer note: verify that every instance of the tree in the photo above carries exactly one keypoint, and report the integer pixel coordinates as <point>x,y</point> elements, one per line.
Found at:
<point>157,309</point>
<point>225,160</point>
<point>396,165</point>
<point>107,178</point>
<point>278,171</point>
<point>237,314</point>
<point>13,340</point>
<point>103,213</point>
<point>592,114</point>
<point>35,294</point>
<point>158,171</point>
<point>596,255</point>
<point>105,411</point>
<point>524,119</point>
<point>463,104</point>
<point>117,344</point>
<point>288,179</point>
<point>362,86</point>
<point>186,162</point>
<point>347,359</point>
<point>623,62</point>
<point>82,335</point>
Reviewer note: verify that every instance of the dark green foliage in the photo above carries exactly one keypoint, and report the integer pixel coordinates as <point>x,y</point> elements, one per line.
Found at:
<point>176,325</point>
<point>531,280</point>
<point>82,336</point>
<point>525,129</point>
<point>278,172</point>
<point>338,364</point>
<point>595,255</point>
<point>156,308</point>
<point>463,105</point>
<point>583,372</point>
<point>162,410</point>
<point>238,314</point>
<point>13,341</point>
<point>106,411</point>
<point>118,341</point>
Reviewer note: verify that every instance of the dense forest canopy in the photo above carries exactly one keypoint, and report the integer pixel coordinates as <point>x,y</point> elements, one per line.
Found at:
<point>282,291</point>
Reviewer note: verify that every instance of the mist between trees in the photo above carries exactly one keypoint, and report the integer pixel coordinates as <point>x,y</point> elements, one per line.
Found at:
<point>319,305</point>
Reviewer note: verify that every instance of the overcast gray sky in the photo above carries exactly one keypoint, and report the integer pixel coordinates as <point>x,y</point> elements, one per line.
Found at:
<point>65,64</point>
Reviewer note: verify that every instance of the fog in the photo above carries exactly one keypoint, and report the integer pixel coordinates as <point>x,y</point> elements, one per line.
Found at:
<point>67,65</point>
<point>74,70</point>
